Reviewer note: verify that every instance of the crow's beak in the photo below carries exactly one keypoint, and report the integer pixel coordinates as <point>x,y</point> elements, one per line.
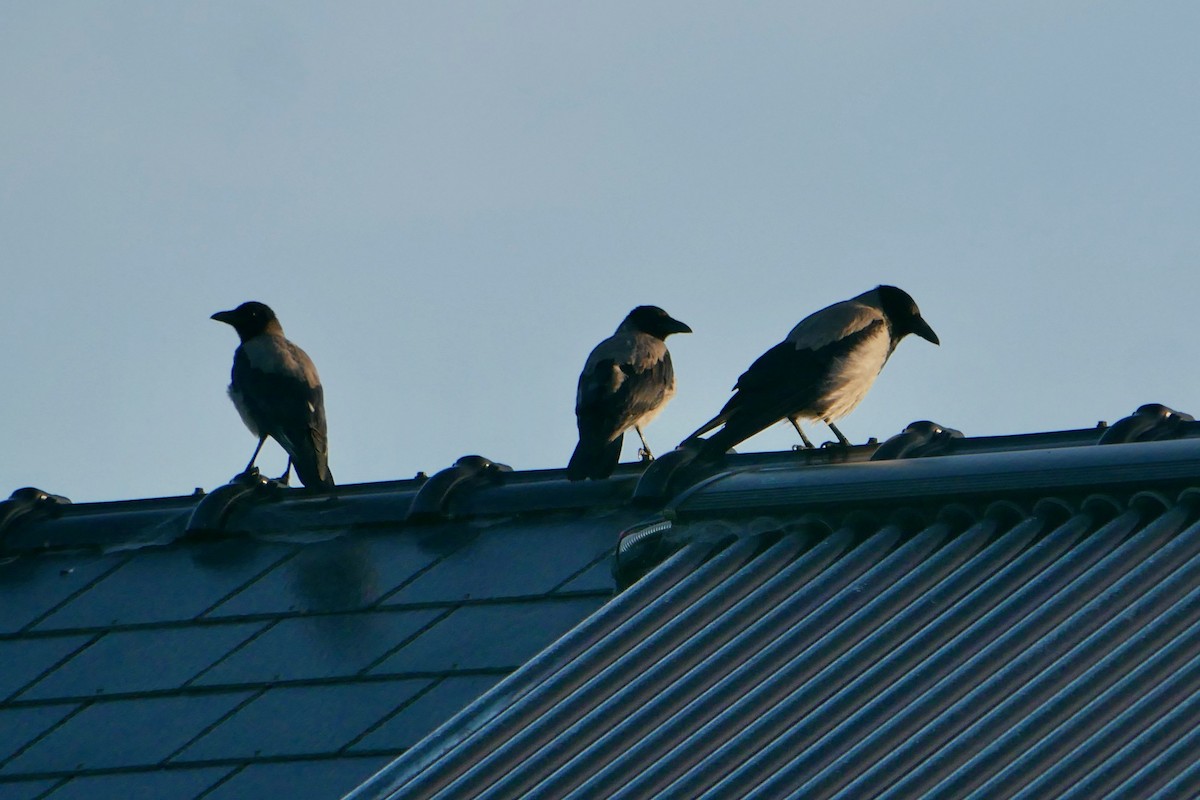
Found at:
<point>675,326</point>
<point>921,328</point>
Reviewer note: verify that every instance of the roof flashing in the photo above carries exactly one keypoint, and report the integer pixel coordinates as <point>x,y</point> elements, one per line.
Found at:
<point>960,476</point>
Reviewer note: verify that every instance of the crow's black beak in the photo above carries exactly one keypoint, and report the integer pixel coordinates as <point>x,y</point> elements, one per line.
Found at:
<point>675,326</point>
<point>921,328</point>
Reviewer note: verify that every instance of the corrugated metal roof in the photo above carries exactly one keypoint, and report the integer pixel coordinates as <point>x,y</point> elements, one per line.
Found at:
<point>1039,648</point>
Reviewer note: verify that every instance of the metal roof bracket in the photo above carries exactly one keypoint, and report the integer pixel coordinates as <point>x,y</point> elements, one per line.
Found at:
<point>25,502</point>
<point>1149,423</point>
<point>659,480</point>
<point>919,439</point>
<point>212,512</point>
<point>436,494</point>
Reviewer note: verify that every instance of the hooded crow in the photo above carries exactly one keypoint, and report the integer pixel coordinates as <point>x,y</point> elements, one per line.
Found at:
<point>820,371</point>
<point>276,390</point>
<point>626,381</point>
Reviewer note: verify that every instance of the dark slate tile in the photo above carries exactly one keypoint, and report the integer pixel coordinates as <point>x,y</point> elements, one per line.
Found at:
<point>302,720</point>
<point>142,660</point>
<point>20,726</point>
<point>31,586</point>
<point>25,790</point>
<point>124,733</point>
<point>596,578</point>
<point>501,636</point>
<point>175,784</point>
<point>511,560</point>
<point>427,712</point>
<point>343,574</point>
<point>166,584</point>
<point>299,780</point>
<point>23,660</point>
<point>338,645</point>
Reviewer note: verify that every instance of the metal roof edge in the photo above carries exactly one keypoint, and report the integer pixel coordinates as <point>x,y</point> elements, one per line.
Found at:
<point>759,489</point>
<point>33,521</point>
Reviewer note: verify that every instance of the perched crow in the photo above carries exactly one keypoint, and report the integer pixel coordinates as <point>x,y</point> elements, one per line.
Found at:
<point>820,371</point>
<point>276,390</point>
<point>626,381</point>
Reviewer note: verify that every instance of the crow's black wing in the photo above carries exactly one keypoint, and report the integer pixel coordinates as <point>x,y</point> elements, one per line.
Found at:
<point>288,405</point>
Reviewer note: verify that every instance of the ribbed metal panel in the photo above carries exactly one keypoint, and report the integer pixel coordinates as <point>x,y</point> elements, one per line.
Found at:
<point>880,740</point>
<point>1015,653</point>
<point>741,666</point>
<point>1179,759</point>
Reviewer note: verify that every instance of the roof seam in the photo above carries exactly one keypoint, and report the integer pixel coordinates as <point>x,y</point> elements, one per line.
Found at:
<point>53,789</point>
<point>24,748</point>
<point>5,702</point>
<point>250,698</point>
<point>233,688</point>
<point>383,598</point>
<point>85,588</point>
<point>237,648</point>
<point>498,600</point>
<point>257,577</point>
<point>183,766</point>
<point>607,554</point>
<point>222,781</point>
<point>433,684</point>
<point>232,619</point>
<point>405,642</point>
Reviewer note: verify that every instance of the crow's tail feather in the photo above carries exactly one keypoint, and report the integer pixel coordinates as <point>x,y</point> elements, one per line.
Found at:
<point>595,459</point>
<point>313,470</point>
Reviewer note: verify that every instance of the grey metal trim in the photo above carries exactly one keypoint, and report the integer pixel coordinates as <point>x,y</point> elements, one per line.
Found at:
<point>983,467</point>
<point>944,478</point>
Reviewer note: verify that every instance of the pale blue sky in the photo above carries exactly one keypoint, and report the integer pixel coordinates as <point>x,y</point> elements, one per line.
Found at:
<point>449,204</point>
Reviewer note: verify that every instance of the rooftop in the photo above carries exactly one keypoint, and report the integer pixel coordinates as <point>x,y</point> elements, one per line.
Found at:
<point>937,614</point>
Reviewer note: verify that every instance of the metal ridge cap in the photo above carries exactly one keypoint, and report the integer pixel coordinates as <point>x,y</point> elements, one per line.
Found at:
<point>162,520</point>
<point>747,481</point>
<point>754,488</point>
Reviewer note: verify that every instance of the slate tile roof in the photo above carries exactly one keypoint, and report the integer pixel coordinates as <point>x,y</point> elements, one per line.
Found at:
<point>136,786</point>
<point>165,664</point>
<point>294,779</point>
<point>412,722</point>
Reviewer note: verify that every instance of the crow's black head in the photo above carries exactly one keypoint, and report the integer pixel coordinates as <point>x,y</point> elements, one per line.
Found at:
<point>903,313</point>
<point>656,322</point>
<point>249,319</point>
